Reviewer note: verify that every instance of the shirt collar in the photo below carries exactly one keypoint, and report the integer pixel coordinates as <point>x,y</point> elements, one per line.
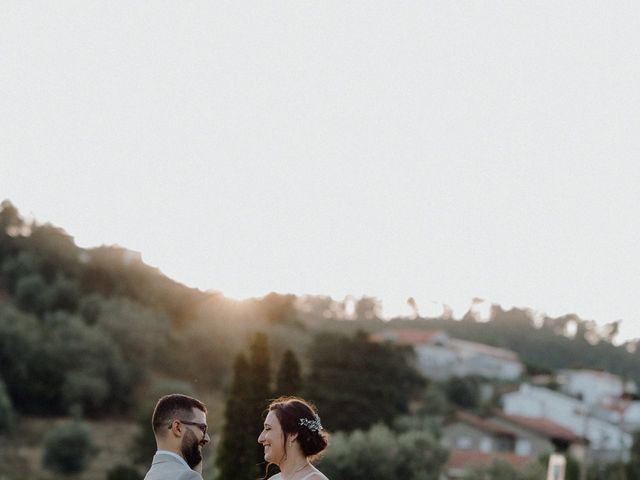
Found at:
<point>167,452</point>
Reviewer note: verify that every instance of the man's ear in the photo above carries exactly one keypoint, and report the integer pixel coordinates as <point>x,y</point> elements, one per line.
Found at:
<point>176,428</point>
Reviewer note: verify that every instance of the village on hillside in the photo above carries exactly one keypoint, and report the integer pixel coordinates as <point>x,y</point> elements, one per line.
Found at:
<point>586,414</point>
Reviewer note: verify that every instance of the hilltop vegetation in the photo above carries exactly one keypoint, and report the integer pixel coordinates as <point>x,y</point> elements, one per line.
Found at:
<point>88,326</point>
<point>94,330</point>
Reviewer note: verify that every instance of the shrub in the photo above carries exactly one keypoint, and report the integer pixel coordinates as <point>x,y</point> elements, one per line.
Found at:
<point>124,472</point>
<point>68,448</point>
<point>380,453</point>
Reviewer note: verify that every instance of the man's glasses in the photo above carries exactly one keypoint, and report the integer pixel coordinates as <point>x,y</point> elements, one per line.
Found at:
<point>201,426</point>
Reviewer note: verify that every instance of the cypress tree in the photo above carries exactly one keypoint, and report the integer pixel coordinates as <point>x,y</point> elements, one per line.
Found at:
<point>239,454</point>
<point>289,378</point>
<point>260,390</point>
<point>235,456</point>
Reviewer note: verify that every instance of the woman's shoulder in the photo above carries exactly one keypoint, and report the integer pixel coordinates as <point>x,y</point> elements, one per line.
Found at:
<point>317,475</point>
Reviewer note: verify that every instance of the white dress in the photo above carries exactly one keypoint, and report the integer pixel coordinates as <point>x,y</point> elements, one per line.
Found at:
<point>316,472</point>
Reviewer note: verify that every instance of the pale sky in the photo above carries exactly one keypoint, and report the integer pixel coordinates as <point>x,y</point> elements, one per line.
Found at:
<point>440,150</point>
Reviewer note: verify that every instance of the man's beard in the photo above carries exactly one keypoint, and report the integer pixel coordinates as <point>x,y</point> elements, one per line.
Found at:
<point>191,450</point>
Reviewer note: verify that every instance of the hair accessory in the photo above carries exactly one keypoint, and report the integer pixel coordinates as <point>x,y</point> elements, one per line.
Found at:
<point>313,425</point>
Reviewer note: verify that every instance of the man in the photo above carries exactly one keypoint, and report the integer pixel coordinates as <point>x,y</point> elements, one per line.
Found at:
<point>180,427</point>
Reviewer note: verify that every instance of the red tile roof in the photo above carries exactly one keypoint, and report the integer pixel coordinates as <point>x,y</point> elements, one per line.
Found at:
<point>459,459</point>
<point>544,427</point>
<point>482,424</point>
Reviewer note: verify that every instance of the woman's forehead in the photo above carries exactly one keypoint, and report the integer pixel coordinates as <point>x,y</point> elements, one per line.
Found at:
<point>272,419</point>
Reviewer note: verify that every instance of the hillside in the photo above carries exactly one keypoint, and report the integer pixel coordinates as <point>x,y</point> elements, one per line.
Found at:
<point>101,330</point>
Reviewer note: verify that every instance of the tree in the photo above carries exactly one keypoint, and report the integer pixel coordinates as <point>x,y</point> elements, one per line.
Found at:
<point>633,467</point>
<point>381,454</point>
<point>239,453</point>
<point>124,472</point>
<point>367,308</point>
<point>259,390</point>
<point>68,448</point>
<point>289,378</point>
<point>356,383</point>
<point>30,291</point>
<point>6,409</point>
<point>235,456</point>
<point>463,392</point>
<point>278,308</point>
<point>497,470</point>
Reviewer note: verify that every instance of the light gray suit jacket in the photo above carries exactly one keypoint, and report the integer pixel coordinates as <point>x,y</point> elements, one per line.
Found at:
<point>167,467</point>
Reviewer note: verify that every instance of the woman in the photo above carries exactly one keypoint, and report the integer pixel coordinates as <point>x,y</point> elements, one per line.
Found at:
<point>292,437</point>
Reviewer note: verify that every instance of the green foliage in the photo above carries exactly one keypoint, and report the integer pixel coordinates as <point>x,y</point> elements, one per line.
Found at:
<point>435,401</point>
<point>497,470</point>
<point>68,448</point>
<point>102,381</point>
<point>17,266</point>
<point>463,392</point>
<point>58,362</point>
<point>30,293</point>
<point>239,453</point>
<point>356,383</point>
<point>633,467</point>
<point>289,377</point>
<point>124,472</point>
<point>278,309</point>
<point>6,409</point>
<point>235,456</point>
<point>29,381</point>
<point>140,332</point>
<point>259,390</point>
<point>379,453</point>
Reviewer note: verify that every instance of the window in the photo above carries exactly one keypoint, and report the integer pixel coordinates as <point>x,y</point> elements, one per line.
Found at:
<point>486,445</point>
<point>464,442</point>
<point>523,447</point>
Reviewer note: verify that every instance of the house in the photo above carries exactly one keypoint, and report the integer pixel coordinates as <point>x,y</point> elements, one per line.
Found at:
<point>470,432</point>
<point>440,356</point>
<point>608,442</point>
<point>477,442</point>
<point>461,460</point>
<point>537,436</point>
<point>592,386</point>
<point>621,411</point>
<point>500,432</point>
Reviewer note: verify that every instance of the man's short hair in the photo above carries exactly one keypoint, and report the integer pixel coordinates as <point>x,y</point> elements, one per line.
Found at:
<point>174,407</point>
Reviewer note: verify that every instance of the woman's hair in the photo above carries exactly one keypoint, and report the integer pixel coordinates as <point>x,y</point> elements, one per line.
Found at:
<point>299,416</point>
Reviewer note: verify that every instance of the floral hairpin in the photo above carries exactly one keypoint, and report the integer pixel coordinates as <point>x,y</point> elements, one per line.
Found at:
<point>313,425</point>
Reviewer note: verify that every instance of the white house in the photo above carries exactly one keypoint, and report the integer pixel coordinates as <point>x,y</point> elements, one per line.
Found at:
<point>620,411</point>
<point>608,441</point>
<point>592,386</point>
<point>440,356</point>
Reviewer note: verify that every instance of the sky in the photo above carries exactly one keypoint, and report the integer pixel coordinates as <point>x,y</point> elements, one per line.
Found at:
<point>444,150</point>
